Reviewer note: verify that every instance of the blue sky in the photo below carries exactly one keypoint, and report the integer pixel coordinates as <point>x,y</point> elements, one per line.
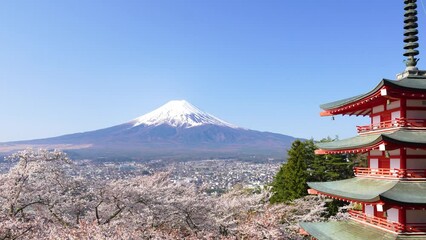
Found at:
<point>74,66</point>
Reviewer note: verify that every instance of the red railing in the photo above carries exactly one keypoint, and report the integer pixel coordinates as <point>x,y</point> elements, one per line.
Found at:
<point>398,122</point>
<point>390,173</point>
<point>380,222</point>
<point>415,173</point>
<point>382,172</point>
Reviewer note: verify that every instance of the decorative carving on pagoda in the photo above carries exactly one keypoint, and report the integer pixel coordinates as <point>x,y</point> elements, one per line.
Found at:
<point>410,33</point>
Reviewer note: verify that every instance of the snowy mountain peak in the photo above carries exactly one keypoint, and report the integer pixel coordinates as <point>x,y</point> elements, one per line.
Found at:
<point>179,113</point>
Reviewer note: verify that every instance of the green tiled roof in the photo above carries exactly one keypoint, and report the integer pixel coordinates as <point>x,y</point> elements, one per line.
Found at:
<point>359,189</point>
<point>406,83</point>
<point>406,136</point>
<point>400,136</point>
<point>343,102</point>
<point>373,190</point>
<point>350,143</point>
<point>407,192</point>
<point>351,230</point>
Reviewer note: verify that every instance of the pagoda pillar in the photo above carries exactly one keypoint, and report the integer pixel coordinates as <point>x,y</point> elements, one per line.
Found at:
<point>403,103</point>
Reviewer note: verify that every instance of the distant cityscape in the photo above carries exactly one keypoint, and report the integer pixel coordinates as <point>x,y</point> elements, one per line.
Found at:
<point>216,176</point>
<point>221,175</point>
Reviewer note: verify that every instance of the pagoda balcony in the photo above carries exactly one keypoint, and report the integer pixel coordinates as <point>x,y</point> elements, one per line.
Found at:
<point>416,227</point>
<point>390,173</point>
<point>376,221</point>
<point>396,123</point>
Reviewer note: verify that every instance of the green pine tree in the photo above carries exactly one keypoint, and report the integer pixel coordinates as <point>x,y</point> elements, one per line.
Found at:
<point>329,167</point>
<point>290,181</point>
<point>304,166</point>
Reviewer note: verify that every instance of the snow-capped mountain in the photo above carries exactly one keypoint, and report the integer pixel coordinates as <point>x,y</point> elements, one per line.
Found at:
<point>176,130</point>
<point>179,113</point>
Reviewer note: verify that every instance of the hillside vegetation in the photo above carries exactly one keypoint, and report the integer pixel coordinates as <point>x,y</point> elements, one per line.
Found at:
<point>43,198</point>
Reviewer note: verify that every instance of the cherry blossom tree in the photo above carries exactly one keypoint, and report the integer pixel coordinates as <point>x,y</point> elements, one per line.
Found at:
<point>44,198</point>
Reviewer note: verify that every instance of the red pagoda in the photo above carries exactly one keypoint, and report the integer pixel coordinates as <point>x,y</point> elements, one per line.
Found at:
<point>389,196</point>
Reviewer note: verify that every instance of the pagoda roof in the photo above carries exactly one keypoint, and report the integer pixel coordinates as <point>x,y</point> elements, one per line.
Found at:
<point>372,190</point>
<point>409,84</point>
<point>416,138</point>
<point>351,230</point>
<point>355,189</point>
<point>406,192</point>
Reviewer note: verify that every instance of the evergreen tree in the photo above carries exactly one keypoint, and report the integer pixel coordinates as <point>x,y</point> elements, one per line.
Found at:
<point>329,167</point>
<point>290,181</point>
<point>304,166</point>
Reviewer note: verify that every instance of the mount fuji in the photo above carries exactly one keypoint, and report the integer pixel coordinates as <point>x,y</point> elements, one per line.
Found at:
<point>179,114</point>
<point>176,130</point>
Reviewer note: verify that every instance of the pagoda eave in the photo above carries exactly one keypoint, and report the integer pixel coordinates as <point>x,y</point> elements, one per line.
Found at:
<point>347,189</point>
<point>350,150</point>
<point>351,230</point>
<point>386,90</point>
<point>375,191</point>
<point>373,201</point>
<point>360,107</point>
<point>382,141</point>
<point>406,193</point>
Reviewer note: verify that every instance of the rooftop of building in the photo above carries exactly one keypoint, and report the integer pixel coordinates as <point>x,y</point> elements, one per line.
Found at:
<point>371,190</point>
<point>406,137</point>
<point>352,230</point>
<point>412,83</point>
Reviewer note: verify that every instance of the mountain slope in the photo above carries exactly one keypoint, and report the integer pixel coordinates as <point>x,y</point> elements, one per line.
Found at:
<point>175,130</point>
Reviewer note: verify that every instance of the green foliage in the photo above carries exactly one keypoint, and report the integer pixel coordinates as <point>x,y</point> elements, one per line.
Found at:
<point>333,207</point>
<point>329,167</point>
<point>304,166</point>
<point>359,160</point>
<point>290,181</point>
<point>357,206</point>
